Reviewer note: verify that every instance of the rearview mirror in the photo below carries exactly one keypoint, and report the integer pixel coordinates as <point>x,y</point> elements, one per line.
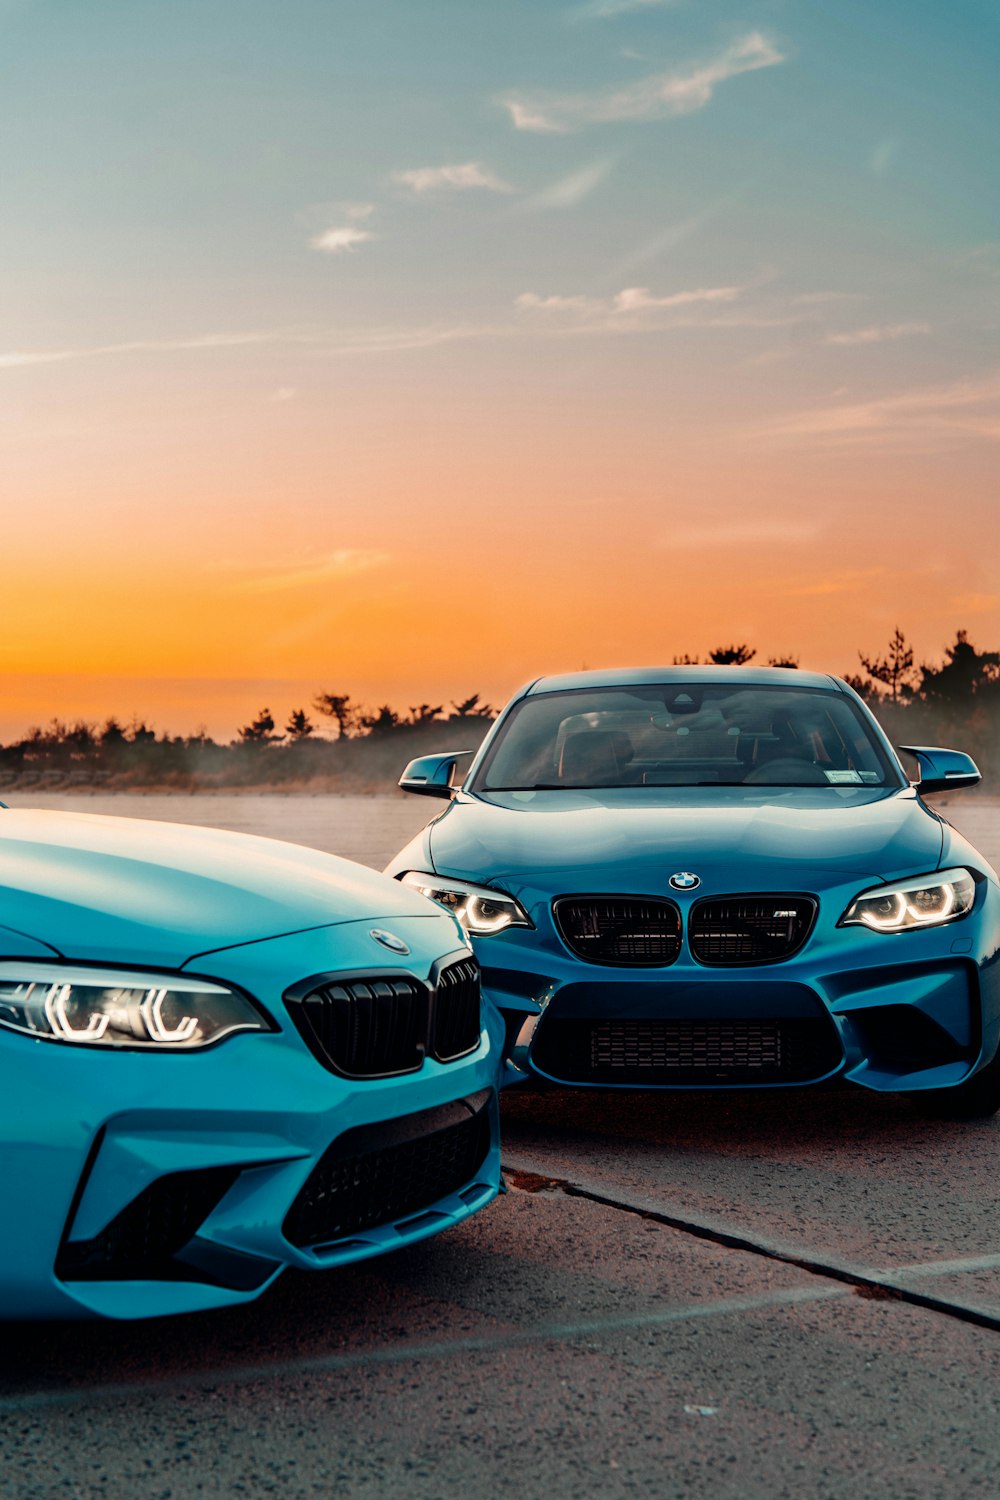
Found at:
<point>430,775</point>
<point>943,770</point>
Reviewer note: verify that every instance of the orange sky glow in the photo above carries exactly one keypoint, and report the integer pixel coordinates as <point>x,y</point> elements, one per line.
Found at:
<point>579,398</point>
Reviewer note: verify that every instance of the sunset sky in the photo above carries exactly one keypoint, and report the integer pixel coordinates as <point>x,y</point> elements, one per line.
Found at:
<point>408,348</point>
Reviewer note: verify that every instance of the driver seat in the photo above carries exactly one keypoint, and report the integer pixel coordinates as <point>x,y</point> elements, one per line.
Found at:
<point>595,757</point>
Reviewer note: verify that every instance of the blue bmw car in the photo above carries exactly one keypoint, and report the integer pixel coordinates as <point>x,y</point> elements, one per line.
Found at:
<point>718,878</point>
<point>221,1056</point>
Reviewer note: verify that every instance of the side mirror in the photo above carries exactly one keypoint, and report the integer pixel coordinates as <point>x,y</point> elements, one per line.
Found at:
<point>943,770</point>
<point>430,775</point>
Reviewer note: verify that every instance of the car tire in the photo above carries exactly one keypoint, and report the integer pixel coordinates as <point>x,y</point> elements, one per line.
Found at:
<point>976,1099</point>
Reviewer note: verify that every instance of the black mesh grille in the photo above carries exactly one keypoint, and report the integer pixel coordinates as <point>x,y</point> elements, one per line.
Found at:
<point>457,1010</point>
<point>749,929</point>
<point>902,1039</point>
<point>379,1174</point>
<point>687,1052</point>
<point>364,1028</point>
<point>632,931</point>
<point>140,1242</point>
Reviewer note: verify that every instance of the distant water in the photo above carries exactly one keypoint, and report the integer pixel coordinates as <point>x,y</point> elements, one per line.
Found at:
<point>371,829</point>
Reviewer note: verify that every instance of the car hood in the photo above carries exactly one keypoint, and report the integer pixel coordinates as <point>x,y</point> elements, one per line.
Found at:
<point>127,890</point>
<point>733,838</point>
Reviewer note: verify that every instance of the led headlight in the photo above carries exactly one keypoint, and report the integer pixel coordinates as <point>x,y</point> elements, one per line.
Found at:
<point>480,910</point>
<point>115,1008</point>
<point>925,901</point>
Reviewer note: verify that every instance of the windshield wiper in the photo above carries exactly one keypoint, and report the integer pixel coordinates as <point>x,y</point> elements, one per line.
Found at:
<point>555,786</point>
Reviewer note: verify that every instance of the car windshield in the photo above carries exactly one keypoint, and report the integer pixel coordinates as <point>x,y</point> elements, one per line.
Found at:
<point>685,734</point>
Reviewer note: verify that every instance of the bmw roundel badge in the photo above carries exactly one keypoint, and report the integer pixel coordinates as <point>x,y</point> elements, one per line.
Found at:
<point>389,940</point>
<point>684,880</point>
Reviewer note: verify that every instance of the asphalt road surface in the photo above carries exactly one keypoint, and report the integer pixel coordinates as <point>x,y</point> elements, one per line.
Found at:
<point>789,1294</point>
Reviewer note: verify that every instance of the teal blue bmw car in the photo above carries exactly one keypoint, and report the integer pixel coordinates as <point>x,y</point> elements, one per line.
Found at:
<point>718,878</point>
<point>221,1056</point>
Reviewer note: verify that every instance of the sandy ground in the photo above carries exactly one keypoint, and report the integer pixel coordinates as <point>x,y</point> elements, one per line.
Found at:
<point>758,1295</point>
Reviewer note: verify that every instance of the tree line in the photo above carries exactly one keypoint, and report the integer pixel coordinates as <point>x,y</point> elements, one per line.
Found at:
<point>340,743</point>
<point>346,744</point>
<point>353,720</point>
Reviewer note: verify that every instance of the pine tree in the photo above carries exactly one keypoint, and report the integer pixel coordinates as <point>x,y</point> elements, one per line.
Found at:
<point>895,669</point>
<point>299,726</point>
<point>732,656</point>
<point>337,706</point>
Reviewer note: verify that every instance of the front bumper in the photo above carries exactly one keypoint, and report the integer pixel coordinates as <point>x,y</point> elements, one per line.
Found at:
<point>909,1011</point>
<point>137,1184</point>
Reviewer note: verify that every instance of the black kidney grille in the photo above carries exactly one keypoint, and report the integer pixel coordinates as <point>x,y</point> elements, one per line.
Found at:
<point>142,1240</point>
<point>749,929</point>
<point>632,931</point>
<point>457,1011</point>
<point>687,1052</point>
<point>365,1028</point>
<point>349,1192</point>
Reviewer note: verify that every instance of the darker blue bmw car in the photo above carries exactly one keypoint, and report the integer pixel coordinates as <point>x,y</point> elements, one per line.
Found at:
<point>718,878</point>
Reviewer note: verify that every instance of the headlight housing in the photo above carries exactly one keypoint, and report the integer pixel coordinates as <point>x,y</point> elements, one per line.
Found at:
<point>121,1008</point>
<point>923,901</point>
<point>480,910</point>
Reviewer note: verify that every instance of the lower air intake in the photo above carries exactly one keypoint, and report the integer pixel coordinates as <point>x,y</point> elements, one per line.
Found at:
<point>142,1241</point>
<point>378,1174</point>
<point>687,1053</point>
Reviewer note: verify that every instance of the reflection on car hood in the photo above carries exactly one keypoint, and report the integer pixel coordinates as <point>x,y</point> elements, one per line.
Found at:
<point>125,890</point>
<point>628,839</point>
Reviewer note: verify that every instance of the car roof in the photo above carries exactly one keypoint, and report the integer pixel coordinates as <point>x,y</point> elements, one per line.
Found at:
<point>638,676</point>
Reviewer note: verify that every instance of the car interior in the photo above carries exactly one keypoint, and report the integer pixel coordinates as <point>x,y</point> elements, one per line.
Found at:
<point>747,738</point>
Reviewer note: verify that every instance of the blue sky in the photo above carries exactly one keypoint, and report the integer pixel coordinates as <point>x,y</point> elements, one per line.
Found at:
<point>164,157</point>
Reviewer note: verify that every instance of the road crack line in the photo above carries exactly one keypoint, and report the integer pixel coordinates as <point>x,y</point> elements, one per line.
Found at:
<point>872,1283</point>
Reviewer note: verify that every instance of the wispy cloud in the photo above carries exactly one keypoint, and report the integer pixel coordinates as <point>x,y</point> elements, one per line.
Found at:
<point>626,306</point>
<point>668,238</point>
<point>342,563</point>
<point>572,189</point>
<point>608,10</point>
<point>357,211</point>
<point>398,340</point>
<point>458,176</point>
<point>527,117</point>
<point>344,237</point>
<point>41,357</point>
<point>640,299</point>
<point>320,342</point>
<point>558,316</point>
<point>882,333</point>
<point>18,359</point>
<point>283,393</point>
<point>966,408</point>
<point>657,97</point>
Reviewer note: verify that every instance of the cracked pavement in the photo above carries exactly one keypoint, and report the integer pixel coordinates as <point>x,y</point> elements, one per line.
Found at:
<point>771,1294</point>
